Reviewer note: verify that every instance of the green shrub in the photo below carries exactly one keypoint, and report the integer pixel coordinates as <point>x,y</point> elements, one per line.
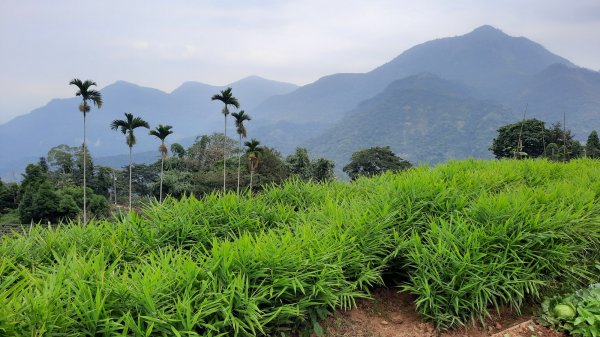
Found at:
<point>501,241</point>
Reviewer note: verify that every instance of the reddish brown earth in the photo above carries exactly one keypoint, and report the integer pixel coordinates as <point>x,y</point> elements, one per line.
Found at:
<point>392,314</point>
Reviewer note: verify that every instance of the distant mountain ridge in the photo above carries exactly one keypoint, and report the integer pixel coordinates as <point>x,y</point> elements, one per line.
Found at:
<point>491,63</point>
<point>486,55</point>
<point>437,100</point>
<point>418,117</point>
<point>188,109</point>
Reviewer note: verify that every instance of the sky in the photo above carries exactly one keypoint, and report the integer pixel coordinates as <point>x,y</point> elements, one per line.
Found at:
<point>161,44</point>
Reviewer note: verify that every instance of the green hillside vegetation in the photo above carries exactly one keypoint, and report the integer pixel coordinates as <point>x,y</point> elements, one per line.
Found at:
<point>418,118</point>
<point>465,237</point>
<point>559,89</point>
<point>51,189</point>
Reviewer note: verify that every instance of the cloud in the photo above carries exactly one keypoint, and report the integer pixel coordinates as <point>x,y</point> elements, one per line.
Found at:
<point>164,43</point>
<point>140,45</point>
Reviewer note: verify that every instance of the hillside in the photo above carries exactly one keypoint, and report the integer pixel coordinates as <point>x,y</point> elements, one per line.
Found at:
<point>560,89</point>
<point>491,62</point>
<point>423,118</point>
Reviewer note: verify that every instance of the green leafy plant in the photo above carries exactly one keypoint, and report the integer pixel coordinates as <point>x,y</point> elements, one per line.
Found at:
<point>578,313</point>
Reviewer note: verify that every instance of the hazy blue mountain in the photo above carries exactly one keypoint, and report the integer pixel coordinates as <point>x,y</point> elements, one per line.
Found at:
<point>464,86</point>
<point>12,169</point>
<point>486,59</point>
<point>188,108</point>
<point>423,118</point>
<point>253,90</point>
<point>122,160</point>
<point>491,62</point>
<point>561,89</point>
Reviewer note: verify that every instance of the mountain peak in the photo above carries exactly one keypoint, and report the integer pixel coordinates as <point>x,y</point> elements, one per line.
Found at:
<point>255,80</point>
<point>487,32</point>
<point>487,29</point>
<point>193,86</point>
<point>120,84</point>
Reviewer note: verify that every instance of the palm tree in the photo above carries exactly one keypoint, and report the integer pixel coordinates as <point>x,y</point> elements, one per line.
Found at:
<point>227,98</point>
<point>252,150</point>
<point>161,132</point>
<point>127,126</point>
<point>94,96</point>
<point>240,118</point>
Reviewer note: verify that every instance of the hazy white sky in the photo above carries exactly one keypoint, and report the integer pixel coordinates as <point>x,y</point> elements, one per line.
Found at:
<point>44,44</point>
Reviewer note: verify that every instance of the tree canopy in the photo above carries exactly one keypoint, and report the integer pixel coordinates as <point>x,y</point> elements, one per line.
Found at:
<point>300,165</point>
<point>41,201</point>
<point>592,147</point>
<point>373,161</point>
<point>536,141</point>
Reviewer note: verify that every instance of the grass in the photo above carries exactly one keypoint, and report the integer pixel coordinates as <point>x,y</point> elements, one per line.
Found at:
<point>465,237</point>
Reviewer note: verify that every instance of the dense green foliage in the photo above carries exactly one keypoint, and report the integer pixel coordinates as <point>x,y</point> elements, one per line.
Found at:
<point>592,146</point>
<point>301,166</point>
<point>536,141</point>
<point>464,237</point>
<point>8,196</point>
<point>578,314</point>
<point>40,200</point>
<point>373,161</point>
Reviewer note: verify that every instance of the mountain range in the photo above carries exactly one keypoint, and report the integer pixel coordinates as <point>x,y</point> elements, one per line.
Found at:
<point>439,100</point>
<point>188,109</point>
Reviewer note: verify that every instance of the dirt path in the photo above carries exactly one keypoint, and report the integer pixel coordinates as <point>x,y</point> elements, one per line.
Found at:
<point>392,314</point>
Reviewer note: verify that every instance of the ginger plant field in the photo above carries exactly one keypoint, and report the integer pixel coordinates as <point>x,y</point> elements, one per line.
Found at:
<point>465,237</point>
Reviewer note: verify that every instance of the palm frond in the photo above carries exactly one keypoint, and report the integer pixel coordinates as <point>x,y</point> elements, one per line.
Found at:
<point>161,131</point>
<point>138,122</point>
<point>127,126</point>
<point>227,98</point>
<point>119,123</point>
<point>252,146</point>
<point>86,93</point>
<point>240,118</point>
<point>76,82</point>
<point>95,97</point>
<point>242,131</point>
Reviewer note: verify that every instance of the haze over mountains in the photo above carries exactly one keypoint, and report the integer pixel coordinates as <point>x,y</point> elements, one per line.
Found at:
<point>188,108</point>
<point>438,100</point>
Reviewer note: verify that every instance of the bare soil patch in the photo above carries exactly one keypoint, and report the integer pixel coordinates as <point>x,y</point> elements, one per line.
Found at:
<point>392,314</point>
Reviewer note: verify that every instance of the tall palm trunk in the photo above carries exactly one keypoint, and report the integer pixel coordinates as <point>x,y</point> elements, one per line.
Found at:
<point>251,172</point>
<point>130,162</point>
<point>224,153</point>
<point>84,175</point>
<point>115,185</point>
<point>162,168</point>
<point>239,165</point>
